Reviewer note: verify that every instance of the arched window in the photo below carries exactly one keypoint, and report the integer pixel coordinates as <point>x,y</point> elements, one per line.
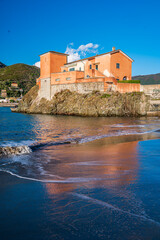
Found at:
<point>125,78</point>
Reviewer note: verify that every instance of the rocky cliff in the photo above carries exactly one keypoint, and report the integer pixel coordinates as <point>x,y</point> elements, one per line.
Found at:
<point>93,104</point>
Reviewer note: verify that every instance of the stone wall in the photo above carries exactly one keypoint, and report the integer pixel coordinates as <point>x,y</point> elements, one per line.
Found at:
<point>78,87</point>
<point>152,90</point>
<point>45,89</point>
<point>154,105</point>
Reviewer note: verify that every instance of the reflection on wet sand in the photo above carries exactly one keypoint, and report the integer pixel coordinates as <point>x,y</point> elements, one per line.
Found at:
<point>53,128</point>
<point>96,166</point>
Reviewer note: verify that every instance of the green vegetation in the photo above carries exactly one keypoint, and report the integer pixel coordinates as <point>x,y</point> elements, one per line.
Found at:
<point>12,101</point>
<point>105,95</point>
<point>129,81</point>
<point>22,74</point>
<point>135,93</point>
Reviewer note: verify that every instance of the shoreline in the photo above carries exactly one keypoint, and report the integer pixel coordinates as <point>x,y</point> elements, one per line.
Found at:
<point>148,114</point>
<point>8,105</point>
<point>99,143</point>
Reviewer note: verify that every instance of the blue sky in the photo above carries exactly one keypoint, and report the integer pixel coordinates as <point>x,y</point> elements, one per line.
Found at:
<point>29,28</point>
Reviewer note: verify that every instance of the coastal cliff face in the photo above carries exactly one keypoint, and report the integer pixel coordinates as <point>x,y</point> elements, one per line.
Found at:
<point>93,104</point>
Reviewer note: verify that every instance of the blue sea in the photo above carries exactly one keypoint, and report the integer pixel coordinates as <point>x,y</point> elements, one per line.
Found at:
<point>84,178</point>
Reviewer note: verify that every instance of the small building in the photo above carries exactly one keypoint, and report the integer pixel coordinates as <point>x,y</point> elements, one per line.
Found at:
<point>100,72</point>
<point>3,93</point>
<point>14,85</point>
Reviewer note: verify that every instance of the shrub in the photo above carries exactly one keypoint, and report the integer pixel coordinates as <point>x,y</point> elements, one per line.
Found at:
<point>105,95</point>
<point>129,81</point>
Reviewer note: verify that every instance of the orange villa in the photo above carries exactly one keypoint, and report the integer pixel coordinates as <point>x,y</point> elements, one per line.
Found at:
<point>101,72</point>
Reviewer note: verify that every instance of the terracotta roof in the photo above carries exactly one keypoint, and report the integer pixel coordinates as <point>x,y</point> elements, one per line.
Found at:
<point>55,53</point>
<point>111,52</point>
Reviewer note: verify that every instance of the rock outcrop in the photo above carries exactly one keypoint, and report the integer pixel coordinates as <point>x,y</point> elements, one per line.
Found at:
<point>5,151</point>
<point>93,104</point>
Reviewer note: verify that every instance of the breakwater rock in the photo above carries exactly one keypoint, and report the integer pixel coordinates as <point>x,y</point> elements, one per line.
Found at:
<point>92,104</point>
<point>5,151</point>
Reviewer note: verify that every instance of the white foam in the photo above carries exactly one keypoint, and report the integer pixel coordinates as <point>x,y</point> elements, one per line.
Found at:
<point>16,144</point>
<point>127,126</point>
<point>107,205</point>
<point>91,163</point>
<point>82,140</point>
<point>67,180</point>
<point>115,134</point>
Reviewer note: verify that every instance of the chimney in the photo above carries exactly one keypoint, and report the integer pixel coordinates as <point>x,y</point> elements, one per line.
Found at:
<point>113,48</point>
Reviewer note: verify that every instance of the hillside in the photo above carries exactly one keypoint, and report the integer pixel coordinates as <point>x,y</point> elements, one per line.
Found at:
<point>22,74</point>
<point>2,65</point>
<point>148,79</point>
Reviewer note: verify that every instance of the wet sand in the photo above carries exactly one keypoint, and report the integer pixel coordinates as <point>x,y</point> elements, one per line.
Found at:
<point>107,192</point>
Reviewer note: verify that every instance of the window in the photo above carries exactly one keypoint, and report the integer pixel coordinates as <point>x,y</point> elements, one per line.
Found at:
<point>80,69</point>
<point>68,78</point>
<point>117,79</point>
<point>124,78</point>
<point>90,66</point>
<point>72,69</point>
<point>64,70</point>
<point>88,76</point>
<point>57,79</point>
<point>118,65</point>
<point>96,67</point>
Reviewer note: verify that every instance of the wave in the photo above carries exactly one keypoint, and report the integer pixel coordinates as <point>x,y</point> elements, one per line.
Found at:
<point>48,144</point>
<point>89,138</point>
<point>115,134</point>
<point>127,126</point>
<point>17,148</point>
<point>60,180</point>
<point>92,163</point>
<point>16,144</point>
<point>113,208</point>
<point>24,147</point>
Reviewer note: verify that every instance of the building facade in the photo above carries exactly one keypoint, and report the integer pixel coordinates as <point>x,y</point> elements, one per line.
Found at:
<point>100,72</point>
<point>3,93</point>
